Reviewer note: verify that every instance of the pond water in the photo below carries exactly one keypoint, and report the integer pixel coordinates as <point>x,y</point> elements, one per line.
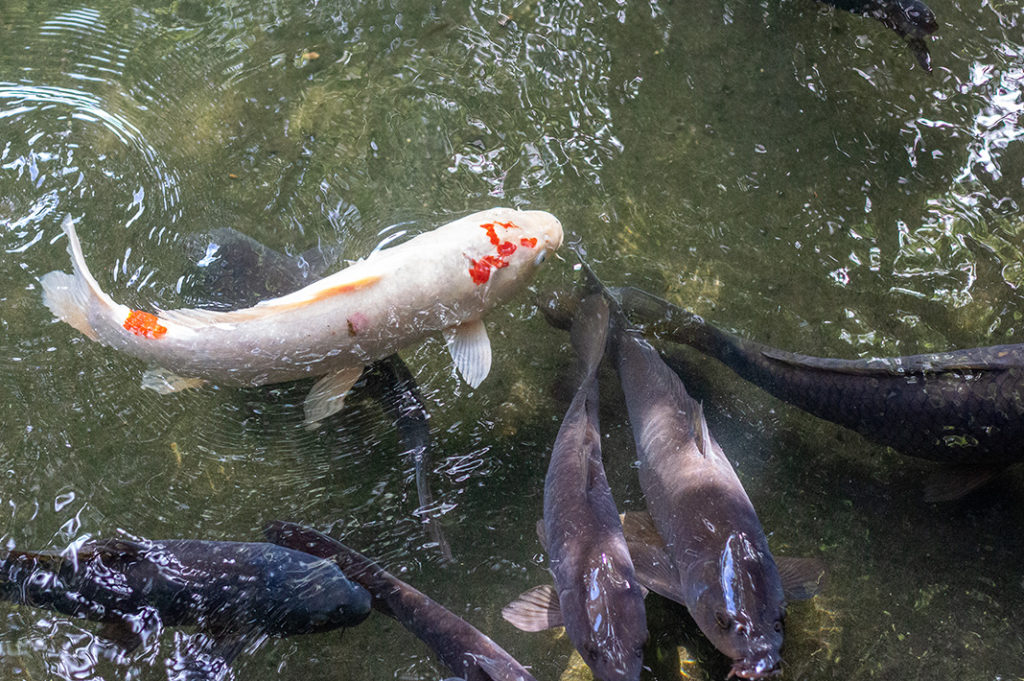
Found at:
<point>782,168</point>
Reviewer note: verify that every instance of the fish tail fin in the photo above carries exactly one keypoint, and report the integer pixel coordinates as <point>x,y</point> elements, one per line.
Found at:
<point>70,296</point>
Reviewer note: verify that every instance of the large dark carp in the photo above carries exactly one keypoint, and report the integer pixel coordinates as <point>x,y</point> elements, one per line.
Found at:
<point>596,594</point>
<point>467,652</point>
<point>963,406</point>
<point>233,591</point>
<point>727,576</point>
<point>910,19</point>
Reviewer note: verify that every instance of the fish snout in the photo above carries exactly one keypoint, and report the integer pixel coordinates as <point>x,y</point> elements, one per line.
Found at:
<point>759,666</point>
<point>549,228</point>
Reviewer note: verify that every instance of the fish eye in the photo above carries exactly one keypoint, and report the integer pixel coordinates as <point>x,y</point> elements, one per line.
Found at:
<point>778,626</point>
<point>540,258</point>
<point>722,620</point>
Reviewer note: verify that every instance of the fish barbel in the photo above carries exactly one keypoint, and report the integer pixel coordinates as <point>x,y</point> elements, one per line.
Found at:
<point>444,280</point>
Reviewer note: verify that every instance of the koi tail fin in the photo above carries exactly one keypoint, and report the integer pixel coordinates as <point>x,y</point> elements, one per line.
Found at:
<point>71,296</point>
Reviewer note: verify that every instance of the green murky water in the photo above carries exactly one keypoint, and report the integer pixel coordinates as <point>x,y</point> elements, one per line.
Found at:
<point>781,168</point>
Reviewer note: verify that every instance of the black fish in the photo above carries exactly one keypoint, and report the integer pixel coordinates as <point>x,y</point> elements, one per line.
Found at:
<point>910,19</point>
<point>596,595</point>
<point>959,407</point>
<point>231,590</point>
<point>461,647</point>
<point>234,270</point>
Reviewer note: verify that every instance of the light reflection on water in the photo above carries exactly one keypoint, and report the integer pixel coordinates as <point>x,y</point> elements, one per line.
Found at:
<point>779,168</point>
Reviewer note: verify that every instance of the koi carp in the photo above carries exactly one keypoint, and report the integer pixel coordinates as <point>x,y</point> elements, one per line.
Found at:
<point>439,281</point>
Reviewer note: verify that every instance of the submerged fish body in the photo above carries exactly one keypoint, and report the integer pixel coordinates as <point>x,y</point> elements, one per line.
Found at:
<point>910,19</point>
<point>440,281</point>
<point>963,407</point>
<point>725,574</point>
<point>467,652</point>
<point>596,596</point>
<point>229,589</point>
<point>233,268</point>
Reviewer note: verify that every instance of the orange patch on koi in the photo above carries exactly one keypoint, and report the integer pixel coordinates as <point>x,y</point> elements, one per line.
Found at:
<point>530,242</point>
<point>491,234</point>
<point>481,269</point>
<point>144,324</point>
<point>506,248</point>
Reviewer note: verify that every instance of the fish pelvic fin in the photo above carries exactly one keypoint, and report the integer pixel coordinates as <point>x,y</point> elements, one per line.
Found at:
<point>70,297</point>
<point>328,394</point>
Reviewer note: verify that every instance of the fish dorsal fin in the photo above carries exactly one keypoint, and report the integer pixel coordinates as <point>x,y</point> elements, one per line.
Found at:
<point>801,578</point>
<point>535,610</point>
<point>995,358</point>
<point>328,394</point>
<point>700,430</point>
<point>655,569</point>
<point>470,350</point>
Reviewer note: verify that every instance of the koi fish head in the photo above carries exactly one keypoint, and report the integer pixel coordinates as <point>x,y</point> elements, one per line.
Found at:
<point>742,608</point>
<point>506,245</point>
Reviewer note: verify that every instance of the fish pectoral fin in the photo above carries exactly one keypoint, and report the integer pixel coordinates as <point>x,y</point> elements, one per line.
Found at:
<point>535,610</point>
<point>496,669</point>
<point>133,630</point>
<point>470,350</point>
<point>328,394</point>
<point>655,570</point>
<point>949,483</point>
<point>166,382</point>
<point>802,578</point>
<point>638,526</point>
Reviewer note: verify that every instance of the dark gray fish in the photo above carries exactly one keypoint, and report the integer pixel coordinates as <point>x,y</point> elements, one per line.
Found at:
<point>726,574</point>
<point>910,19</point>
<point>957,407</point>
<point>233,591</point>
<point>461,647</point>
<point>392,385</point>
<point>596,594</point>
<point>234,270</point>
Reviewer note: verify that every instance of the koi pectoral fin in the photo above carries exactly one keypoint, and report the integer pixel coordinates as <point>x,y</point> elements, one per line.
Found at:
<point>166,382</point>
<point>328,394</point>
<point>535,610</point>
<point>470,350</point>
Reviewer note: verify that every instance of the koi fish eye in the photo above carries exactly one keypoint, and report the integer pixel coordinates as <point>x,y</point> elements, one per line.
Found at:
<point>778,626</point>
<point>540,258</point>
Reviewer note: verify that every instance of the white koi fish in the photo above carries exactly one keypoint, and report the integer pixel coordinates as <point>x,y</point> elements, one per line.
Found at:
<point>443,280</point>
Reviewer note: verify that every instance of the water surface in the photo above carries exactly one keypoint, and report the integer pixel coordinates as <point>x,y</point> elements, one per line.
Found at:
<point>781,168</point>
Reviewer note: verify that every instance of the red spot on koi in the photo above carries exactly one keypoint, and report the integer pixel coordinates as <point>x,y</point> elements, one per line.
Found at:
<point>491,234</point>
<point>144,324</point>
<point>481,269</point>
<point>530,242</point>
<point>506,248</point>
